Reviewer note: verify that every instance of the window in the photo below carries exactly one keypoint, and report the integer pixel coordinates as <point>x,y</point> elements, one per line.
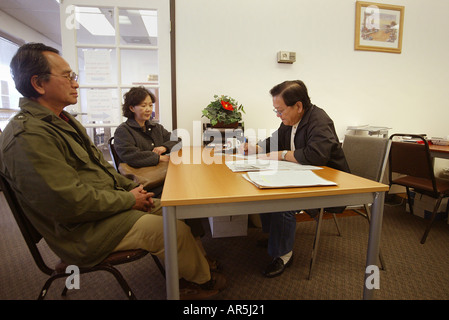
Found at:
<point>9,100</point>
<point>114,47</point>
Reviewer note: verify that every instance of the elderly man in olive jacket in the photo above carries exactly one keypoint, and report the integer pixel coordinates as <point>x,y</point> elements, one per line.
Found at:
<point>82,207</point>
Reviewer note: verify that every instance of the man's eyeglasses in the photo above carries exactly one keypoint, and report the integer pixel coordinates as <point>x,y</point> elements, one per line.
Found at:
<point>278,113</point>
<point>71,77</point>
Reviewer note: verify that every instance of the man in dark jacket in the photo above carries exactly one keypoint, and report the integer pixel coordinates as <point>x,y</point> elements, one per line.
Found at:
<point>306,136</point>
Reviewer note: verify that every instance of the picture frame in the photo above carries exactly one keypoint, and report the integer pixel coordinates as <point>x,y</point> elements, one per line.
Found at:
<point>379,27</point>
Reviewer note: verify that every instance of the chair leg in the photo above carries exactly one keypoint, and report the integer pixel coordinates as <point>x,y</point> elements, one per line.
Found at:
<point>409,199</point>
<point>316,242</point>
<point>159,264</point>
<point>432,219</point>
<point>64,291</point>
<point>336,224</point>
<point>126,289</point>
<point>47,285</point>
<point>44,289</point>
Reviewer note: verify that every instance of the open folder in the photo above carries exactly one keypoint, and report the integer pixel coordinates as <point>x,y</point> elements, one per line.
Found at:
<point>286,179</point>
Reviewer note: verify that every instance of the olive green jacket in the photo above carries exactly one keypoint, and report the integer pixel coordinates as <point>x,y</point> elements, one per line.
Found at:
<point>69,192</point>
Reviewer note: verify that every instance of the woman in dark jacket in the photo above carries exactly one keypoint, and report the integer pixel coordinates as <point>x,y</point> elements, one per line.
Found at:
<point>141,142</point>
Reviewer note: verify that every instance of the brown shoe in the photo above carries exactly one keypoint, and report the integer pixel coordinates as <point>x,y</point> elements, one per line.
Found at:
<point>217,282</point>
<point>192,291</point>
<point>214,265</point>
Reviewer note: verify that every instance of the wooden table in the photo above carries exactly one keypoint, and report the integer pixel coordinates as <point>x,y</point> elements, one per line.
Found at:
<point>198,188</point>
<point>438,151</point>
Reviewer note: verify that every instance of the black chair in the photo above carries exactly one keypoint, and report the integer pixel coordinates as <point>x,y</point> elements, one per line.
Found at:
<point>113,153</point>
<point>367,158</point>
<point>413,163</point>
<point>33,237</point>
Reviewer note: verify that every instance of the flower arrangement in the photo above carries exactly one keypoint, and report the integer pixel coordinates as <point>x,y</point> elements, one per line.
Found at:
<point>223,110</point>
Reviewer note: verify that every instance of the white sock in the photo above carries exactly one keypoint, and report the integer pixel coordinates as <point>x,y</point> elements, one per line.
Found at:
<point>286,257</point>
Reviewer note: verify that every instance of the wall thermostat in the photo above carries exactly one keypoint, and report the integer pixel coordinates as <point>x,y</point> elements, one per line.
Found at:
<point>286,57</point>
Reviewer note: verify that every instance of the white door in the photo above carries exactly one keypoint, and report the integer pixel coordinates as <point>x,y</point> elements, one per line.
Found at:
<point>114,45</point>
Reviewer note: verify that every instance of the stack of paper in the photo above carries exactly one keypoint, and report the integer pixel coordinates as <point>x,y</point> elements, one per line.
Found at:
<point>286,179</point>
<point>254,164</point>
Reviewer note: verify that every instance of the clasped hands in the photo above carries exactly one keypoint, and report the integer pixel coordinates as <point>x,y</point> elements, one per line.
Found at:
<point>160,151</point>
<point>144,200</point>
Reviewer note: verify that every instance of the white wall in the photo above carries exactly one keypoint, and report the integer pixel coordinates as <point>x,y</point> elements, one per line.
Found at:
<point>229,47</point>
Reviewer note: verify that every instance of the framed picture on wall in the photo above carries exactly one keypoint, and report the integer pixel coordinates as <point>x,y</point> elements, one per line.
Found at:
<point>378,27</point>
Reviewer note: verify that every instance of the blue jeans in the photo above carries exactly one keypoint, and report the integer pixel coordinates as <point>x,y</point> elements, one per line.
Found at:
<point>281,227</point>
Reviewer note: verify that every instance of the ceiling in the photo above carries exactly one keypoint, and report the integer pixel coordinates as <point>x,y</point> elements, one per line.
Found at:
<point>43,16</point>
<point>40,15</point>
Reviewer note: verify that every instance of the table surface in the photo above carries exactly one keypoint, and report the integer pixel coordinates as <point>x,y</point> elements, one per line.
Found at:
<point>438,148</point>
<point>193,184</point>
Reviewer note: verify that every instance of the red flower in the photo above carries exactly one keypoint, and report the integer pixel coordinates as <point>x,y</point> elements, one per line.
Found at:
<point>227,105</point>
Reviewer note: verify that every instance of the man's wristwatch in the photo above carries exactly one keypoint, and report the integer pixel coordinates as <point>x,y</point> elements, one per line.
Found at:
<point>283,154</point>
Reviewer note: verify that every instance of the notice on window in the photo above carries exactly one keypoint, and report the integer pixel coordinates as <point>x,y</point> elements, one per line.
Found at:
<point>99,104</point>
<point>97,65</point>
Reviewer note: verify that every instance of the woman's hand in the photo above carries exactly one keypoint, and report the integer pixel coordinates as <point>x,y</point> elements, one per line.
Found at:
<point>160,150</point>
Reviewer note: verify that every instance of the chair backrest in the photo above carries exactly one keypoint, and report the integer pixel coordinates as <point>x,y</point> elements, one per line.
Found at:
<point>411,158</point>
<point>113,153</point>
<point>29,233</point>
<point>366,156</point>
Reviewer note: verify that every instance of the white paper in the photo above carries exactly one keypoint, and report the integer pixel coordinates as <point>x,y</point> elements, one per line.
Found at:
<point>253,163</point>
<point>286,179</point>
<point>97,65</point>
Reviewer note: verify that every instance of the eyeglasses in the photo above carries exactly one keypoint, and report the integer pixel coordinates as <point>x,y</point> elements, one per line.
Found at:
<point>278,113</point>
<point>71,77</point>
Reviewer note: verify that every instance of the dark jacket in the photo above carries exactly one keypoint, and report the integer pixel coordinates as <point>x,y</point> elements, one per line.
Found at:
<point>316,142</point>
<point>134,146</point>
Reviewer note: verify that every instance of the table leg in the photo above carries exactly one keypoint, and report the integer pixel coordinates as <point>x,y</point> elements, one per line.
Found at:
<point>375,230</point>
<point>171,253</point>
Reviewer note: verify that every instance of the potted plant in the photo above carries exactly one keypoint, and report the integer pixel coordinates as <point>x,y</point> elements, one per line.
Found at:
<point>223,112</point>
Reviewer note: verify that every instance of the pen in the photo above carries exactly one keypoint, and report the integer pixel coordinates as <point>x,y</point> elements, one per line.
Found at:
<point>244,141</point>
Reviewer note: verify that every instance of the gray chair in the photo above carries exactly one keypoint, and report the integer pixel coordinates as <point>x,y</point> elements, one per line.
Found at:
<point>367,157</point>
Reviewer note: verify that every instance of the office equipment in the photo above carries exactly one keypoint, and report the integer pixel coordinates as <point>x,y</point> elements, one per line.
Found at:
<point>369,130</point>
<point>218,136</point>
<point>195,190</point>
<point>33,237</point>
<point>367,158</point>
<point>412,160</point>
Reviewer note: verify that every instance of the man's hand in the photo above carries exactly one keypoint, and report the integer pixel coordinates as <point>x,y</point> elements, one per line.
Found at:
<point>249,148</point>
<point>144,202</point>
